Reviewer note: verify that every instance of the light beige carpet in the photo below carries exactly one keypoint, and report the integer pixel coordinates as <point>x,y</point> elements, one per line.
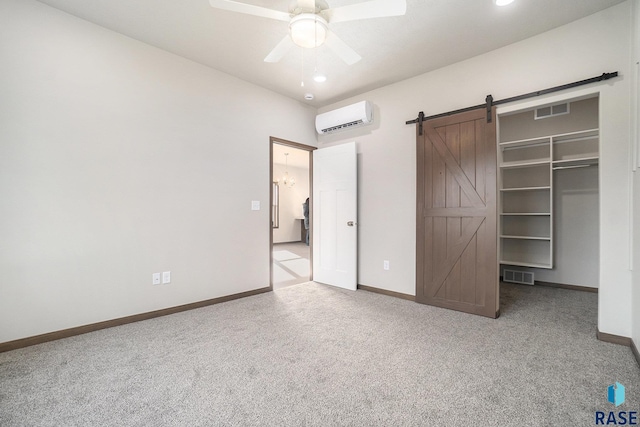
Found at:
<point>312,355</point>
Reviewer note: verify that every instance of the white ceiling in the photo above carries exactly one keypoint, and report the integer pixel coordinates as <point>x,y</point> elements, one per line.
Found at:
<point>433,34</point>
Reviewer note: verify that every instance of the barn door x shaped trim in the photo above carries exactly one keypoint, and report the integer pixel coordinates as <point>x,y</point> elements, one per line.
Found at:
<point>477,212</point>
<point>454,167</point>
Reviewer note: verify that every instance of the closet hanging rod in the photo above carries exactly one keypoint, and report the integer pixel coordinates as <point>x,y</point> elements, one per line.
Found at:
<point>581,138</point>
<point>574,166</point>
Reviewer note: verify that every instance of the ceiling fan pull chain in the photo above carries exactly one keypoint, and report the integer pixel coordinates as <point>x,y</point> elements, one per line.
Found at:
<point>302,68</point>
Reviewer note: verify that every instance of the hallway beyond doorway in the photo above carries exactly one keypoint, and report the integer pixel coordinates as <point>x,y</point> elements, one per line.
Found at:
<point>291,264</point>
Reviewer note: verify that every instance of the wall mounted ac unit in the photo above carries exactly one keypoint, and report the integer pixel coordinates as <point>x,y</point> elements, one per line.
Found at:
<point>358,114</point>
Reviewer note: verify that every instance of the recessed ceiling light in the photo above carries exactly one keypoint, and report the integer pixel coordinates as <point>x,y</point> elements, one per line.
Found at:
<point>319,77</point>
<point>503,2</point>
<point>308,96</point>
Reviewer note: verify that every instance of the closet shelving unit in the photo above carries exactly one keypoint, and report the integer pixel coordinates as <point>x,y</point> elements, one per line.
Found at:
<point>526,192</point>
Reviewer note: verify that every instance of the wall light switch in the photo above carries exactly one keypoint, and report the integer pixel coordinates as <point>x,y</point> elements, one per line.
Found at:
<point>166,277</point>
<point>156,278</point>
<point>255,205</point>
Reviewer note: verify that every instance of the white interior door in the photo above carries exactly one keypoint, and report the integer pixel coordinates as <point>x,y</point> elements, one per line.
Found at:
<point>334,228</point>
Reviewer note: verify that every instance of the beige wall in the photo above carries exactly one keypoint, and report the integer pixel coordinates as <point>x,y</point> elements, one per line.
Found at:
<point>386,151</point>
<point>118,160</point>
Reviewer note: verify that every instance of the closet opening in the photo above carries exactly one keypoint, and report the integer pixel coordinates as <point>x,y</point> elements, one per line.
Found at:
<point>548,231</point>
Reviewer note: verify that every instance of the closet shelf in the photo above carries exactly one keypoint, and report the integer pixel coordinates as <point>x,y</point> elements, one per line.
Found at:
<point>557,138</point>
<point>526,164</point>
<point>504,236</point>
<point>531,142</point>
<point>525,214</point>
<point>525,264</point>
<point>547,187</point>
<point>576,136</point>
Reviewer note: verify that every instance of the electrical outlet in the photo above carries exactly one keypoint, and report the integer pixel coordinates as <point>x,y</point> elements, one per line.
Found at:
<point>385,264</point>
<point>166,277</point>
<point>156,278</point>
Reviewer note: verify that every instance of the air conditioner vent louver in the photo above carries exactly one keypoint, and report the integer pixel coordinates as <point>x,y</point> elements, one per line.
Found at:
<point>515,276</point>
<point>343,126</point>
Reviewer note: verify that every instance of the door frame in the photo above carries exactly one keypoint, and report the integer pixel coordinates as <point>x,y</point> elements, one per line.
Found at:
<point>309,148</point>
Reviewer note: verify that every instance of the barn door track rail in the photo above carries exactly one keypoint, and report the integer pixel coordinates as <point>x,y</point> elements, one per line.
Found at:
<point>489,102</point>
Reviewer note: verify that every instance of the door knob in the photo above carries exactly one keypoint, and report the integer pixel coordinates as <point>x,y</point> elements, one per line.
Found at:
<point>350,223</point>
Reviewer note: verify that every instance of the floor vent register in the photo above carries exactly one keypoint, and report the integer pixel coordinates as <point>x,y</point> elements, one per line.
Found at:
<point>515,276</point>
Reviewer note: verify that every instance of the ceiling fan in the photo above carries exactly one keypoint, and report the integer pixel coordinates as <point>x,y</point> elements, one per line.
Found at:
<point>309,22</point>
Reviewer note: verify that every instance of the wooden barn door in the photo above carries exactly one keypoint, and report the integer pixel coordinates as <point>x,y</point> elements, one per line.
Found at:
<point>457,265</point>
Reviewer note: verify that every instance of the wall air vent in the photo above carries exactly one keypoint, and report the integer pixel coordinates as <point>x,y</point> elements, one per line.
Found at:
<point>552,111</point>
<point>515,276</point>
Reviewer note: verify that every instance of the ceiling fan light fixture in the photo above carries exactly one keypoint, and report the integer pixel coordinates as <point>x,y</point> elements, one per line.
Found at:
<point>308,30</point>
<point>503,2</point>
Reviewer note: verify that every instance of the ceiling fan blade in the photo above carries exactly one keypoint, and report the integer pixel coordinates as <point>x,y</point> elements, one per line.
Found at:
<point>280,50</point>
<point>366,10</point>
<point>250,9</point>
<point>341,49</point>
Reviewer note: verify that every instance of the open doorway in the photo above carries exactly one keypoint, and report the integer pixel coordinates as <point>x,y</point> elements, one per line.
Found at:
<point>291,222</point>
